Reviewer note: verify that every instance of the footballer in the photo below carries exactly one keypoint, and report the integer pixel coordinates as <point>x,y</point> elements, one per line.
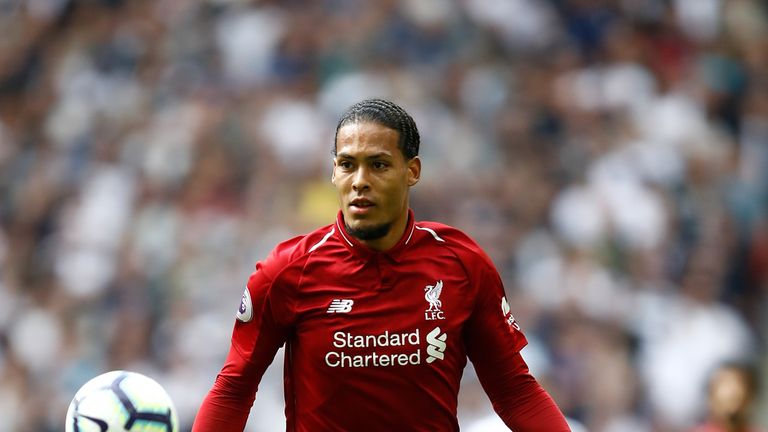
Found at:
<point>378,312</point>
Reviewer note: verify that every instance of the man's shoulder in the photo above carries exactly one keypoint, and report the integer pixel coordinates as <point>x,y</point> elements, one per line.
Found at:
<point>461,246</point>
<point>305,243</point>
<point>298,247</point>
<point>454,238</point>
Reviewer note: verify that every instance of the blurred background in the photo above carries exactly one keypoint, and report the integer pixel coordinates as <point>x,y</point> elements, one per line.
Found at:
<point>611,157</point>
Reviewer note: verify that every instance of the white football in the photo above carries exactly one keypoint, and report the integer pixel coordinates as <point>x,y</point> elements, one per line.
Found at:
<point>121,401</point>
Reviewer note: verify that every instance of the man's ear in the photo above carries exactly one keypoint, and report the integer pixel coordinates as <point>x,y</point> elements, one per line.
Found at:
<point>414,170</point>
<point>333,172</point>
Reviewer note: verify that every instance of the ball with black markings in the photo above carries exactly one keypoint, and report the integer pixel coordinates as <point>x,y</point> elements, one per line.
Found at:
<point>121,401</point>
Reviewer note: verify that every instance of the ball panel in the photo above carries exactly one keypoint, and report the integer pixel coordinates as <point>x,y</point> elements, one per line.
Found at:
<point>145,393</point>
<point>101,404</point>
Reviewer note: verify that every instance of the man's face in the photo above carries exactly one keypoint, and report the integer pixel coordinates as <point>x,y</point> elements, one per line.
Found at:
<point>729,395</point>
<point>373,177</point>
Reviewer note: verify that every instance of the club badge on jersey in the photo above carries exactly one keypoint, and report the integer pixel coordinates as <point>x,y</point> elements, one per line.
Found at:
<point>432,296</point>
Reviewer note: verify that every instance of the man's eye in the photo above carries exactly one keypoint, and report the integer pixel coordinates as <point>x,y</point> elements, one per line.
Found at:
<point>345,164</point>
<point>379,165</point>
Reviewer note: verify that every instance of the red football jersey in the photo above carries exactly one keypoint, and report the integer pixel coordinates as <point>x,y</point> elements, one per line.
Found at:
<point>374,340</point>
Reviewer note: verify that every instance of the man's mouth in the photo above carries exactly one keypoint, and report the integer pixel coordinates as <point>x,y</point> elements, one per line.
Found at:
<point>361,203</point>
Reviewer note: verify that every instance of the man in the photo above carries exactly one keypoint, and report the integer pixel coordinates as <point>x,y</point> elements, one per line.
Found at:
<point>731,395</point>
<point>378,312</point>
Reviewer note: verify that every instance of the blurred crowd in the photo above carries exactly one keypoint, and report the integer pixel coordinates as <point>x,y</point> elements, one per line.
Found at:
<point>610,155</point>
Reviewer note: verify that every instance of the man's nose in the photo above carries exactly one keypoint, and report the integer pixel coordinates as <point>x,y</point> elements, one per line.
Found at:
<point>360,181</point>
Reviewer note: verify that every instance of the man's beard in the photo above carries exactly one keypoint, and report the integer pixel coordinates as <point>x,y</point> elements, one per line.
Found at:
<point>369,233</point>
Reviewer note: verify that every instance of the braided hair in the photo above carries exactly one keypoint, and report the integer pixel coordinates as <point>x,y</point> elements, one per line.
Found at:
<point>387,114</point>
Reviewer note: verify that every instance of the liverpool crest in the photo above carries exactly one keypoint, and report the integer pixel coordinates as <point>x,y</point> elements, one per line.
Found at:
<point>432,296</point>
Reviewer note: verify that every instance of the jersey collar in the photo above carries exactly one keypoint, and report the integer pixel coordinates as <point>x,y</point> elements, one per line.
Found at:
<point>364,251</point>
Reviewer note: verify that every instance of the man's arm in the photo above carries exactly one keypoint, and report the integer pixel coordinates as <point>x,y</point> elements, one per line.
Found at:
<point>228,403</point>
<point>494,340</point>
<point>255,339</point>
<point>520,401</point>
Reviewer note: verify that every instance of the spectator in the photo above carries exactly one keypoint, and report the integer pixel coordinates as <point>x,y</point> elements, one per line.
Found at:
<point>731,397</point>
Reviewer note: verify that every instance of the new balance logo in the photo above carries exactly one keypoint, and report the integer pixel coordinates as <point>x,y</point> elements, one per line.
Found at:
<point>340,306</point>
<point>437,345</point>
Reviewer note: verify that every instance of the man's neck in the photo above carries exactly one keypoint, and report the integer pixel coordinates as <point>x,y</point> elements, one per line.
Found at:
<point>389,240</point>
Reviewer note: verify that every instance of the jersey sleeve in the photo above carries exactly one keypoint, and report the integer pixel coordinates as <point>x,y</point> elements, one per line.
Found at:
<point>262,326</point>
<point>494,340</point>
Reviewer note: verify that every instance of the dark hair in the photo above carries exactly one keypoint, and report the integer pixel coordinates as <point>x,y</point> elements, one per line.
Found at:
<point>387,114</point>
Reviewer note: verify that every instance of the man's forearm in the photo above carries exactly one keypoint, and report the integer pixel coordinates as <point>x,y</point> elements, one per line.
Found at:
<point>228,403</point>
<point>520,400</point>
<point>221,412</point>
<point>534,411</point>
